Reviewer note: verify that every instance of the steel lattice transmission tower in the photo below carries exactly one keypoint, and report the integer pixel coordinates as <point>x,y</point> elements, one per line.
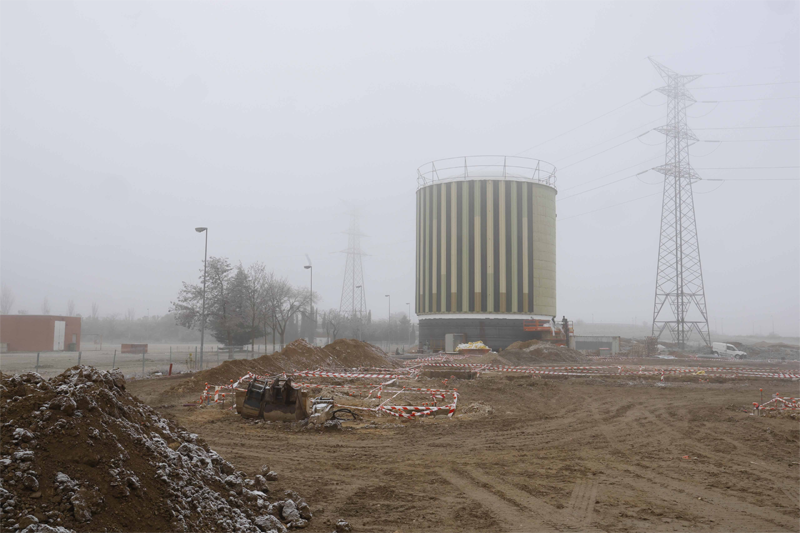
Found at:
<point>353,302</point>
<point>680,302</point>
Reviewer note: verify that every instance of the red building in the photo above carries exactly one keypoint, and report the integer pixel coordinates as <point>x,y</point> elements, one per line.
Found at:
<point>40,333</point>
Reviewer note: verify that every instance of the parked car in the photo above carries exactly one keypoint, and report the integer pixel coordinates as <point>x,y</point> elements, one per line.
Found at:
<point>721,349</point>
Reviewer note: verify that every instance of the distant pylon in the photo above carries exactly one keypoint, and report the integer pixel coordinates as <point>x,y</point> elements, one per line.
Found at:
<point>353,302</point>
<point>680,302</point>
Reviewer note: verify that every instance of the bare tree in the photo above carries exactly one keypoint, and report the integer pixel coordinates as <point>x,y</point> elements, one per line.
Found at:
<point>95,311</point>
<point>71,308</point>
<point>6,299</point>
<point>45,306</point>
<point>285,302</point>
<point>334,322</point>
<point>130,314</point>
<point>255,296</point>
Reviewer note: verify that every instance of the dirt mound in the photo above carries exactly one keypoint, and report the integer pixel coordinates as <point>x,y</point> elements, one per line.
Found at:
<point>79,452</point>
<point>353,353</point>
<point>541,353</point>
<point>297,355</point>
<point>523,345</point>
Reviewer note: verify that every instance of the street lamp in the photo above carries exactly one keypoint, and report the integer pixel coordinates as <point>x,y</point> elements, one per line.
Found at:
<point>409,323</point>
<point>360,311</point>
<point>203,313</point>
<point>311,303</point>
<point>390,306</point>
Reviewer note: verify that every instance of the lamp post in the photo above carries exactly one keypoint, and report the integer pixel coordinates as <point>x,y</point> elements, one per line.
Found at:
<point>360,311</point>
<point>390,306</point>
<point>409,322</point>
<point>311,303</point>
<point>203,313</point>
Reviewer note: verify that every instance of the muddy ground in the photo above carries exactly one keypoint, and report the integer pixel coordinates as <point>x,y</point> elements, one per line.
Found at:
<point>547,454</point>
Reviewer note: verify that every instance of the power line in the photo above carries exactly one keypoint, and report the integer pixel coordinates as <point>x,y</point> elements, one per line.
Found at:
<point>741,168</point>
<point>582,125</point>
<point>748,140</point>
<point>608,207</point>
<point>611,173</point>
<point>748,99</point>
<point>611,138</point>
<point>746,85</point>
<point>604,185</point>
<point>606,150</point>
<point>747,127</point>
<point>751,179</point>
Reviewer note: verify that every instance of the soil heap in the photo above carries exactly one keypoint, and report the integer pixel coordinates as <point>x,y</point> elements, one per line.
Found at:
<point>80,453</point>
<point>297,355</point>
<point>533,351</point>
<point>353,353</point>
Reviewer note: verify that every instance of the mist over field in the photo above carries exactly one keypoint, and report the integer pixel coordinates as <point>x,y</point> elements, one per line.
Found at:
<point>125,125</point>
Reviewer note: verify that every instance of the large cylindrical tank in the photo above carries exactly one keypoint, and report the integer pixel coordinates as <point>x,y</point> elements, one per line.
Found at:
<point>486,248</point>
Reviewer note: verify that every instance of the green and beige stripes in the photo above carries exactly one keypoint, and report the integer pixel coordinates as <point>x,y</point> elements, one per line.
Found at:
<point>486,246</point>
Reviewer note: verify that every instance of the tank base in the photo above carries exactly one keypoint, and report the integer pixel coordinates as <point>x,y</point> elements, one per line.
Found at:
<point>496,333</point>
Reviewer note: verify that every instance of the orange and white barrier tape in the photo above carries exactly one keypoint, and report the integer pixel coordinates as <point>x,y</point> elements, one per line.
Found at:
<point>778,403</point>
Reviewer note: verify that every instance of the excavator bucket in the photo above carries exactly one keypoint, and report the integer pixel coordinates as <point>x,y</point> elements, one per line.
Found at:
<point>276,401</point>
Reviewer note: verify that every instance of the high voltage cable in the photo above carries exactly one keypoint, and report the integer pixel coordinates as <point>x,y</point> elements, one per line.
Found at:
<point>746,85</point>
<point>703,179</point>
<point>610,138</point>
<point>612,173</point>
<point>658,193</point>
<point>582,125</point>
<point>748,140</point>
<point>750,179</point>
<point>604,151</point>
<point>604,185</point>
<point>747,127</point>
<point>740,168</point>
<point>608,207</point>
<point>748,99</point>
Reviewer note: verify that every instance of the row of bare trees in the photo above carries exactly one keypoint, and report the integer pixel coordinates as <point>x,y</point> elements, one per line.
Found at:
<point>7,299</point>
<point>242,304</point>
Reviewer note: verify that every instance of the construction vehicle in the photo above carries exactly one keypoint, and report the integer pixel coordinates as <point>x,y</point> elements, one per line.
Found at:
<point>277,401</point>
<point>549,330</point>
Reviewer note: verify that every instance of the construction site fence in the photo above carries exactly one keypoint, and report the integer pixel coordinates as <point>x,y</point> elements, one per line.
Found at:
<point>157,360</point>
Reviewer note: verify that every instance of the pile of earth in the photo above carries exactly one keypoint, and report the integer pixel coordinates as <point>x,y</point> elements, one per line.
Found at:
<point>533,351</point>
<point>80,453</point>
<point>297,355</point>
<point>352,353</point>
<point>766,350</point>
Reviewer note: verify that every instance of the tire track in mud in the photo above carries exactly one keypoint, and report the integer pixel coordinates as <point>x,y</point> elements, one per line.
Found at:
<point>510,516</point>
<point>793,494</point>
<point>581,503</point>
<point>693,497</point>
<point>578,515</point>
<point>739,516</point>
<point>723,458</point>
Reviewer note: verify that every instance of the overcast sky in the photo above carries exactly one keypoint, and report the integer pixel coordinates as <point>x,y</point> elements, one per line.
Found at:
<point>126,124</point>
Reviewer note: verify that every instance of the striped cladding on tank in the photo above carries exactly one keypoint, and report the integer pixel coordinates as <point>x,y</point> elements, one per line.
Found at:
<point>486,246</point>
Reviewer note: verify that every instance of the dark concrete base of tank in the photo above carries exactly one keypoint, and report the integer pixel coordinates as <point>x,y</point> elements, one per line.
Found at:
<point>496,333</point>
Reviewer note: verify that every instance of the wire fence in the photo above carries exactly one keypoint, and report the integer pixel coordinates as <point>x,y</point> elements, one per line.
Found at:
<point>157,360</point>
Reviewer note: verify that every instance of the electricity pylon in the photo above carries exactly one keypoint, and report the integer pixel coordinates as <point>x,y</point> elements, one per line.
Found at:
<point>680,301</point>
<point>353,302</point>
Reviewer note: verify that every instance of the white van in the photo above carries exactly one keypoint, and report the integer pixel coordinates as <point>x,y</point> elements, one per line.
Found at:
<point>727,350</point>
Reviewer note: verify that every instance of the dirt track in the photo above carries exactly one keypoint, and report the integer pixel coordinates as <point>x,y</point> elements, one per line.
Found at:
<point>582,454</point>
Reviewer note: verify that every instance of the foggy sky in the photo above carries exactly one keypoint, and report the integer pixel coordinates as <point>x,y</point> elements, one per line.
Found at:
<point>123,125</point>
